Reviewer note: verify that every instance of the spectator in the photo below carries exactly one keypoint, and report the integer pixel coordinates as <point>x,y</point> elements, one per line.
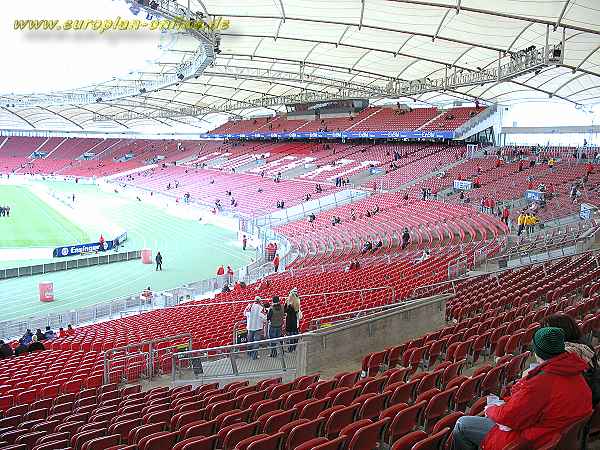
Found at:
<point>505,215</point>
<point>49,334</point>
<point>62,333</point>
<point>405,238</point>
<point>276,263</point>
<point>424,256</point>
<point>574,342</point>
<point>255,323</point>
<point>159,260</point>
<point>70,330</point>
<point>275,317</point>
<point>293,316</point>
<point>39,335</point>
<point>229,274</point>
<point>27,337</point>
<point>36,345</point>
<point>5,350</point>
<point>367,246</point>
<point>221,271</point>
<point>21,349</point>
<point>520,224</point>
<point>548,399</point>
<point>244,242</point>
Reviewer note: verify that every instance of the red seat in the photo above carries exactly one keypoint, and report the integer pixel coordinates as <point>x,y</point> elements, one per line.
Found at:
<point>197,443</point>
<point>367,436</point>
<point>438,406</point>
<point>408,441</point>
<point>339,419</point>
<point>272,442</point>
<point>433,442</point>
<point>303,432</point>
<point>158,441</point>
<point>405,421</point>
<point>323,444</point>
<point>102,443</point>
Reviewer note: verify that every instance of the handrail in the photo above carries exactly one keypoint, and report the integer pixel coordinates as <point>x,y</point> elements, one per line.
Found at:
<point>150,343</point>
<point>321,294</point>
<point>452,283</point>
<point>316,322</point>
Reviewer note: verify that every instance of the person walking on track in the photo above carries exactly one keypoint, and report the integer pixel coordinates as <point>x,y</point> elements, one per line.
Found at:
<point>158,261</point>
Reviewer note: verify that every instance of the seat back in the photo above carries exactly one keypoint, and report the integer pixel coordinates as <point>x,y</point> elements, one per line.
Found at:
<point>433,442</point>
<point>572,437</point>
<point>405,421</point>
<point>303,432</point>
<point>368,436</point>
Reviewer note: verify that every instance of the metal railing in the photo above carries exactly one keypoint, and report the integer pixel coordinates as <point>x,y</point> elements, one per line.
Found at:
<point>38,269</point>
<point>390,290</point>
<point>143,359</point>
<point>450,285</point>
<point>260,359</point>
<point>335,319</point>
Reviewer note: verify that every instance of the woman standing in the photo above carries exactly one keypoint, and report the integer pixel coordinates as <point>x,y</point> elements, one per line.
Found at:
<point>293,316</point>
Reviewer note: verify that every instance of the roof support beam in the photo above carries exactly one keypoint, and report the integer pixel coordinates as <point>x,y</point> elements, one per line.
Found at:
<point>437,32</point>
<point>278,29</point>
<point>342,36</point>
<point>518,36</point>
<point>566,83</point>
<point>256,48</point>
<point>586,58</point>
<point>407,66</point>
<point>282,10</point>
<point>461,55</point>
<point>403,44</point>
<point>362,13</point>
<point>19,116</point>
<point>310,52</point>
<point>203,6</point>
<point>495,13</point>
<point>60,115</point>
<point>360,59</point>
<point>369,26</point>
<point>360,47</point>
<point>562,13</point>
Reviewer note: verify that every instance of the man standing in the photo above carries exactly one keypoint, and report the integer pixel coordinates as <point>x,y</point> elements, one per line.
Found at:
<point>255,323</point>
<point>276,262</point>
<point>244,242</point>
<point>405,238</point>
<point>159,260</point>
<point>275,318</point>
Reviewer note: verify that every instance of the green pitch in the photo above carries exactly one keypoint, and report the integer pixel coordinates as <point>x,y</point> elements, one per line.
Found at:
<point>32,223</point>
<point>192,251</point>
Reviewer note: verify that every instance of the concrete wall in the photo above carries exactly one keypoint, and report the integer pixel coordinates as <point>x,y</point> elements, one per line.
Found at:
<point>359,337</point>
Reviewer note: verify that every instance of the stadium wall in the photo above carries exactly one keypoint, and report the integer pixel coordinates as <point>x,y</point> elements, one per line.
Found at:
<point>351,341</point>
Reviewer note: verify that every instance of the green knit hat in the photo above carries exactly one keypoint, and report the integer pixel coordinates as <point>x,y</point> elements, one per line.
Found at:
<point>549,342</point>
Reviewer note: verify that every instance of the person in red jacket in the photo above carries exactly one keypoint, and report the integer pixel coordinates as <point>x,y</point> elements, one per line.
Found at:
<point>505,215</point>
<point>221,270</point>
<point>276,263</point>
<point>546,400</point>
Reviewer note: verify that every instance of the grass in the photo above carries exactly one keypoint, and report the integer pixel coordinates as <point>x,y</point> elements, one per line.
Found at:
<point>32,223</point>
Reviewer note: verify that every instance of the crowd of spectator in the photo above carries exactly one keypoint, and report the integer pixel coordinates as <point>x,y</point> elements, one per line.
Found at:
<point>33,342</point>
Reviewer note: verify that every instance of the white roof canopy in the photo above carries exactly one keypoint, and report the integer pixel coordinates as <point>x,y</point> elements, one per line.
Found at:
<point>313,45</point>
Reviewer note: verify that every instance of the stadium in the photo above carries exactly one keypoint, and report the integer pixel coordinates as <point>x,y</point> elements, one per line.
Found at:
<point>296,225</point>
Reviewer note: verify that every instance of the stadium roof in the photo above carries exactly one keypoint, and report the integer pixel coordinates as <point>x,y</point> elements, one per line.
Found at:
<point>283,47</point>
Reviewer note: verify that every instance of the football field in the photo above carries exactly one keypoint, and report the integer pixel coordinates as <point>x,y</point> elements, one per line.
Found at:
<point>191,249</point>
<point>32,223</point>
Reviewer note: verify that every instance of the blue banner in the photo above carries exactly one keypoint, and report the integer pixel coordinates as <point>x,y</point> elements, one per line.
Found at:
<point>93,247</point>
<point>336,135</point>
<point>78,249</point>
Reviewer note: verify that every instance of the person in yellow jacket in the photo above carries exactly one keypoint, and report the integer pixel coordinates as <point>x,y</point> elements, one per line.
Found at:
<point>520,223</point>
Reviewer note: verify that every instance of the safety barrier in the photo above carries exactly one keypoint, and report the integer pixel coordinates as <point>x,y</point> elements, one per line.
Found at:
<point>143,359</point>
<point>39,269</point>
